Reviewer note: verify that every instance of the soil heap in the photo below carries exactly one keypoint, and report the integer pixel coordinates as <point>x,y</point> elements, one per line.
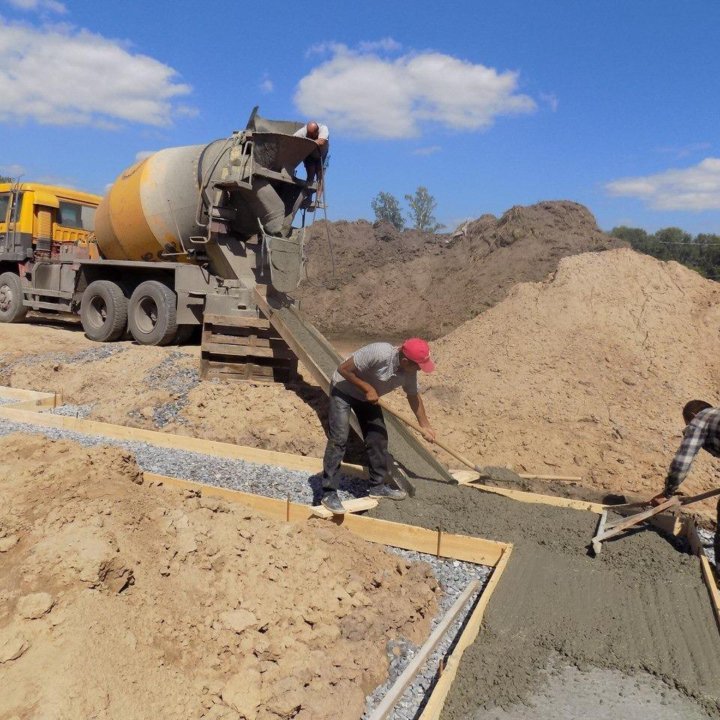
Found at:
<point>120,600</point>
<point>584,374</point>
<point>391,284</point>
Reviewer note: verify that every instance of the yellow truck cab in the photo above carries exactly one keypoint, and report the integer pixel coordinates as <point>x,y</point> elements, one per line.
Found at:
<point>38,219</point>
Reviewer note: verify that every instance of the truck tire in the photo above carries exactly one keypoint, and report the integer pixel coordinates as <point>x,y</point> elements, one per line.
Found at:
<point>152,314</point>
<point>104,311</point>
<point>12,309</point>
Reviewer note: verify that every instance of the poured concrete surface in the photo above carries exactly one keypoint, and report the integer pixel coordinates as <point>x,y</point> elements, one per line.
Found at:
<point>600,694</point>
<point>641,606</point>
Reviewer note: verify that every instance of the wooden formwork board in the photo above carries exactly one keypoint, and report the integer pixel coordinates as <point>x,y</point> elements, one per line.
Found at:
<point>537,498</point>
<point>28,399</point>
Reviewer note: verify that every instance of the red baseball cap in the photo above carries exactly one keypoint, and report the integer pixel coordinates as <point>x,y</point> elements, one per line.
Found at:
<point>418,351</point>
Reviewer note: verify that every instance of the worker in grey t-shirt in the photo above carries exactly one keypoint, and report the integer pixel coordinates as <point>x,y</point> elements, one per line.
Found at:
<point>357,384</point>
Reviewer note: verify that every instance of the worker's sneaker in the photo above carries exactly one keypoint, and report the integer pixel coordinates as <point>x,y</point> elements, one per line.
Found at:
<point>387,491</point>
<point>331,501</point>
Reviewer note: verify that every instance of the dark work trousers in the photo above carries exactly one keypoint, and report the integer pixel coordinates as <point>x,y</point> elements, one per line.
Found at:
<point>717,540</point>
<point>372,426</point>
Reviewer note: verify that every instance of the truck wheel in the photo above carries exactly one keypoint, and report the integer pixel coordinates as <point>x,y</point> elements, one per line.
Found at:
<point>12,309</point>
<point>152,314</point>
<point>104,311</point>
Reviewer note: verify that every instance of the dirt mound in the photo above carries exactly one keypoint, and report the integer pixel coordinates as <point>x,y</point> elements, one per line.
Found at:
<point>126,601</point>
<point>393,284</point>
<point>584,374</point>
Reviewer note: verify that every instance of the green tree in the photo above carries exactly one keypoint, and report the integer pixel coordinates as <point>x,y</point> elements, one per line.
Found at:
<point>6,179</point>
<point>422,206</point>
<point>387,209</point>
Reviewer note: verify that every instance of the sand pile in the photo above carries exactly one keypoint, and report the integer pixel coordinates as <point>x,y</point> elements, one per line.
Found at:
<point>585,373</point>
<point>119,600</point>
<point>390,283</point>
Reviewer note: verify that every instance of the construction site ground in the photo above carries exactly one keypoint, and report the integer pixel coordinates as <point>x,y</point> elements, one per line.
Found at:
<point>583,373</point>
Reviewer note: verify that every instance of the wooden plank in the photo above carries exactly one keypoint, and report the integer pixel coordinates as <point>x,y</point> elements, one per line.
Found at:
<point>22,394</point>
<point>406,677</point>
<point>236,321</point>
<point>384,532</point>
<point>351,506</point>
<point>180,442</point>
<point>436,701</point>
<point>216,348</point>
<point>249,340</point>
<point>706,567</point>
<point>619,527</point>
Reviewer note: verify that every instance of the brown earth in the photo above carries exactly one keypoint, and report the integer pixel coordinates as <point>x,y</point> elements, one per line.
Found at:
<point>584,374</point>
<point>122,600</point>
<point>394,284</point>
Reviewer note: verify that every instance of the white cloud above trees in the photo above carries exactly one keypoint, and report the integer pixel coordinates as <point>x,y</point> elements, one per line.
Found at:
<point>369,93</point>
<point>57,75</point>
<point>694,188</point>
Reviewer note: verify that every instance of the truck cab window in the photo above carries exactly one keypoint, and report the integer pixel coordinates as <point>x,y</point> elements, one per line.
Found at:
<point>4,207</point>
<point>74,215</point>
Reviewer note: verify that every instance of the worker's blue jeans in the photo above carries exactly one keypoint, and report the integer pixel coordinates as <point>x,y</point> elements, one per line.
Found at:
<point>372,426</point>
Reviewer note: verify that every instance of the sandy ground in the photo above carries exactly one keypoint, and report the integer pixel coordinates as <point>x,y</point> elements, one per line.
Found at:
<point>119,600</point>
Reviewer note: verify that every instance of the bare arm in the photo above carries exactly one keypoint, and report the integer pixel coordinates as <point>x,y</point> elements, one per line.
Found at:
<point>418,407</point>
<point>348,370</point>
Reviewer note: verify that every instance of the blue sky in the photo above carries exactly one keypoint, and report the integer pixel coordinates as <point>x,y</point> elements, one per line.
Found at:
<point>612,104</point>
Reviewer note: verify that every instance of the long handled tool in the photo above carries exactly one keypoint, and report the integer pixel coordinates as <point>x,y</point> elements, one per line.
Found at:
<point>605,532</point>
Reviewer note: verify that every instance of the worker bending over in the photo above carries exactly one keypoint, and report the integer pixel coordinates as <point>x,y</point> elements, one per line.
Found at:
<point>357,384</point>
<point>702,432</point>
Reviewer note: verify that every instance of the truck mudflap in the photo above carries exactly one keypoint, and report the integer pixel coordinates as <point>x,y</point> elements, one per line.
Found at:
<point>285,259</point>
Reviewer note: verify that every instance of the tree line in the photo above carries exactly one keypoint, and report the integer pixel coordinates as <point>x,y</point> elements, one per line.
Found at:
<point>699,252</point>
<point>421,206</point>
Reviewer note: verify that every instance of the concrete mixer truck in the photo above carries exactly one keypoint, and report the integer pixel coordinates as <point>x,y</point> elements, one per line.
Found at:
<point>185,232</point>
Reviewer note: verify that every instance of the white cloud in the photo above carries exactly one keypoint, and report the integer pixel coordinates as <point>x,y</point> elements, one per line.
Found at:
<point>62,76</point>
<point>367,94</point>
<point>694,188</point>
<point>39,6</point>
<point>266,85</point>
<point>430,150</point>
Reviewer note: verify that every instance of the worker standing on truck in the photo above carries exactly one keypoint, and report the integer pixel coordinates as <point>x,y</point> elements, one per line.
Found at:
<point>702,432</point>
<point>357,385</point>
<point>314,161</point>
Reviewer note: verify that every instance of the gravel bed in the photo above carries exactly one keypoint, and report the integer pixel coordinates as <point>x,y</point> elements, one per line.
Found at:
<point>177,380</point>
<point>76,411</point>
<point>7,400</point>
<point>276,482</point>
